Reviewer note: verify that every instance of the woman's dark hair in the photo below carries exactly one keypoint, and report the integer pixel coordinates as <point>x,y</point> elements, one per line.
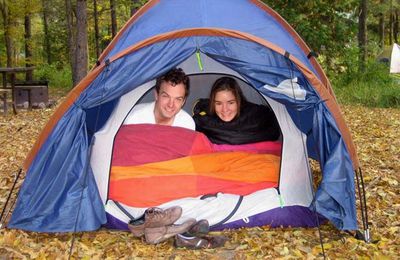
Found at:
<point>175,76</point>
<point>228,84</point>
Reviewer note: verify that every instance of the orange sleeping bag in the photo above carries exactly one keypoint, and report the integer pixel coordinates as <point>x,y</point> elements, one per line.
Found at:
<point>200,172</point>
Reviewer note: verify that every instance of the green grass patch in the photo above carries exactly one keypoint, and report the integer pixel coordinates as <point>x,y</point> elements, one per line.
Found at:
<point>375,87</point>
<point>58,76</point>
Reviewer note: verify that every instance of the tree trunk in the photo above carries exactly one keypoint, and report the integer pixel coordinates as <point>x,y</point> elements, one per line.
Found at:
<point>381,29</point>
<point>113,19</point>
<point>7,32</point>
<point>28,46</point>
<point>70,38</point>
<point>362,34</point>
<point>47,43</point>
<point>96,29</point>
<point>391,23</point>
<point>396,26</point>
<point>81,54</point>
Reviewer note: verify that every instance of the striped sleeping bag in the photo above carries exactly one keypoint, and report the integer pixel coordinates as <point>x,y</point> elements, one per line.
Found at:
<point>154,164</point>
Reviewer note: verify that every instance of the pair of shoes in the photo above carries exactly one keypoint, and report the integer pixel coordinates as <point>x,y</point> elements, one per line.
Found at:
<point>155,235</point>
<point>200,242</point>
<point>155,217</point>
<point>201,227</point>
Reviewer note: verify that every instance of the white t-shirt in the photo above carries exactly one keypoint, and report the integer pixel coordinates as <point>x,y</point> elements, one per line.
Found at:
<point>144,114</point>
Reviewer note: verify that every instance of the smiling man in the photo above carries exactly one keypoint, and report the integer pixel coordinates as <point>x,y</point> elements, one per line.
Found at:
<point>170,95</point>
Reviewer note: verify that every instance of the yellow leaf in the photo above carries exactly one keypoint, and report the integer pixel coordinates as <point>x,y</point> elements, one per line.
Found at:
<point>284,251</point>
<point>305,249</point>
<point>241,247</point>
<point>298,253</point>
<point>327,245</point>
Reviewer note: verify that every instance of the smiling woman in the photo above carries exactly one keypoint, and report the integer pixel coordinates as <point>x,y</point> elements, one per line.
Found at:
<point>226,106</point>
<point>226,98</point>
<point>228,118</point>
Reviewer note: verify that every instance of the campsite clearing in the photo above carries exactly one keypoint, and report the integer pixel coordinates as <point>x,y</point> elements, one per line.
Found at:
<point>377,138</point>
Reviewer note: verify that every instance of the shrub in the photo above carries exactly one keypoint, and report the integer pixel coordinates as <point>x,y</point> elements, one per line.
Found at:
<point>58,76</point>
<point>374,87</point>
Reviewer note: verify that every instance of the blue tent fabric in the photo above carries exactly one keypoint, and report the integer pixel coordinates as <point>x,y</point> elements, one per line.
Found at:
<point>208,14</point>
<point>335,196</point>
<point>59,193</point>
<point>59,166</point>
<point>52,191</point>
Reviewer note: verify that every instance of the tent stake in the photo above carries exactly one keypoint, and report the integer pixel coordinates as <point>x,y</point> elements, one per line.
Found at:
<point>8,198</point>
<point>363,205</point>
<point>3,223</point>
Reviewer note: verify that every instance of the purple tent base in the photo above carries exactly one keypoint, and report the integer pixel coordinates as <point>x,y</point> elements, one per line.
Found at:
<point>292,216</point>
<point>114,223</point>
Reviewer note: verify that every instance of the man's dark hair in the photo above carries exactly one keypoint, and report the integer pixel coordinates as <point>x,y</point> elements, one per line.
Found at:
<point>174,76</point>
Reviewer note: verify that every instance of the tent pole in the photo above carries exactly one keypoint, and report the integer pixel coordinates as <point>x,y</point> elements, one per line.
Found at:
<point>8,199</point>
<point>314,196</point>
<point>366,228</point>
<point>80,199</point>
<point>8,211</point>
<point>89,155</point>
<point>290,65</point>
<point>363,204</point>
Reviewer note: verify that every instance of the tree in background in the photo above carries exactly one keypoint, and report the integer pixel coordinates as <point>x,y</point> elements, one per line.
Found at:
<point>381,25</point>
<point>136,4</point>
<point>81,46</point>
<point>393,11</point>
<point>330,28</point>
<point>5,14</point>
<point>113,18</point>
<point>46,42</point>
<point>71,38</point>
<point>28,45</point>
<point>362,34</point>
<point>31,7</point>
<point>96,29</point>
<point>391,22</point>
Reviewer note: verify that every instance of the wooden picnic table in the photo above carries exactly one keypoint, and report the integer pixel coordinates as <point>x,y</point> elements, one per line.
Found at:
<point>9,77</point>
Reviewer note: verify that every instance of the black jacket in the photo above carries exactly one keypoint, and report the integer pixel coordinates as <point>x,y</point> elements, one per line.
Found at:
<point>256,123</point>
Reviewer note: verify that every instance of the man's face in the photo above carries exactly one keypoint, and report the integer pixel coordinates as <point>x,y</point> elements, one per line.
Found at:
<point>169,102</point>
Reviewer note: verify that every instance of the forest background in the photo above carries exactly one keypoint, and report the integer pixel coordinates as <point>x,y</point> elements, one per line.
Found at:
<point>64,38</point>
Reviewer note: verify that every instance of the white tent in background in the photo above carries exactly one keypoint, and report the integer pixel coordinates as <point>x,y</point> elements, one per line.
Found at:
<point>395,59</point>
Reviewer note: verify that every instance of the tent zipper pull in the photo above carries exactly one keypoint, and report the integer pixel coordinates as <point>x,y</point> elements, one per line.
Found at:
<point>199,62</point>
<point>281,202</point>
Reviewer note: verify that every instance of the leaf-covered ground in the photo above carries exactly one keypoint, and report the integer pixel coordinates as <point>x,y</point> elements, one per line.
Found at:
<point>376,133</point>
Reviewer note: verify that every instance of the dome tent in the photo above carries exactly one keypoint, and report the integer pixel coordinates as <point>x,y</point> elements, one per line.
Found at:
<point>65,188</point>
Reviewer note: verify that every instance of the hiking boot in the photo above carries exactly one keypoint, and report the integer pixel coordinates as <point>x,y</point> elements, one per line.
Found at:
<point>200,242</point>
<point>155,217</point>
<point>136,227</point>
<point>200,228</point>
<point>155,235</point>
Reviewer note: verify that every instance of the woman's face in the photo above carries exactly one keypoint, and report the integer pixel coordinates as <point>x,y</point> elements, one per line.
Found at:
<point>226,105</point>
